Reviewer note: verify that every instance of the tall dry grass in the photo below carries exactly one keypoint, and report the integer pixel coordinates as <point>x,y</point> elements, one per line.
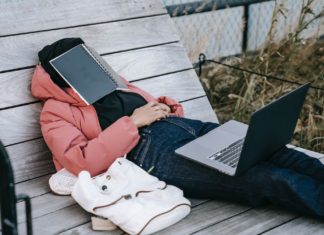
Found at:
<point>235,94</point>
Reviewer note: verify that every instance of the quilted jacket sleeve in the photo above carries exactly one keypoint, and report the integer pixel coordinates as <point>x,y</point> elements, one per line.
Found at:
<point>75,152</point>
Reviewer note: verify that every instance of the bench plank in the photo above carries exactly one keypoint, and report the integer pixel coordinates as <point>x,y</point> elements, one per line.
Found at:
<point>30,159</point>
<point>57,221</point>
<point>21,51</point>
<point>204,215</point>
<point>254,221</point>
<point>302,225</point>
<point>34,187</point>
<point>41,205</point>
<point>133,65</point>
<point>201,110</point>
<point>35,15</point>
<point>85,229</point>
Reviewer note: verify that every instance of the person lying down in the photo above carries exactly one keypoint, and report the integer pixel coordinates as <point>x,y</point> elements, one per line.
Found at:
<point>148,130</point>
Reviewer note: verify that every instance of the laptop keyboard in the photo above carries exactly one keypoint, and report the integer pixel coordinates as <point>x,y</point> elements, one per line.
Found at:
<point>229,155</point>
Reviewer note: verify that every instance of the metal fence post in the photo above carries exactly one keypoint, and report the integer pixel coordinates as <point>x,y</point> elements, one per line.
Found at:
<point>245,27</point>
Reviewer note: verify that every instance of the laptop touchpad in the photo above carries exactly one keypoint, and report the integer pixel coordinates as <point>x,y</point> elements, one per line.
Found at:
<point>217,140</point>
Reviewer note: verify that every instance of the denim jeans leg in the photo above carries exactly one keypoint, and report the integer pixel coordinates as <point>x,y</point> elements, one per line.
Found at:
<point>266,182</point>
<point>300,162</point>
<point>259,185</point>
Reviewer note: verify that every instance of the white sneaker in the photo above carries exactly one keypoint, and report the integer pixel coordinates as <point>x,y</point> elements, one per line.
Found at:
<point>62,182</point>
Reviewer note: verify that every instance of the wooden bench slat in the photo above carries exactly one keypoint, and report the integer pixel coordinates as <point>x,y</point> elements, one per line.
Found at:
<point>254,221</point>
<point>201,110</point>
<point>30,159</point>
<point>133,65</point>
<point>21,51</point>
<point>85,229</point>
<point>302,225</point>
<point>34,187</point>
<point>57,221</point>
<point>204,215</point>
<point>33,159</point>
<point>176,85</point>
<point>43,205</point>
<point>34,15</point>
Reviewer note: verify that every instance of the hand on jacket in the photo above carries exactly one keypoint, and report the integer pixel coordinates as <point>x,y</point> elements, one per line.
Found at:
<point>149,113</point>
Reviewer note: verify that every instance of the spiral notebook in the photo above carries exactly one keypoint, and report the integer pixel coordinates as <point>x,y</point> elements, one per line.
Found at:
<point>87,73</point>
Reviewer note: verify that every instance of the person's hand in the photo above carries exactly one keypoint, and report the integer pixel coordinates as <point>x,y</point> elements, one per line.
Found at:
<point>165,107</point>
<point>149,113</point>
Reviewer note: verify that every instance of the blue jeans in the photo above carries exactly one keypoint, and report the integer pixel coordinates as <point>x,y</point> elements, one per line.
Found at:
<point>290,179</point>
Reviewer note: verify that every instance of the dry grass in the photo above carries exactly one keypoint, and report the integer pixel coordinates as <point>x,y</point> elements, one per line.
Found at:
<point>235,94</point>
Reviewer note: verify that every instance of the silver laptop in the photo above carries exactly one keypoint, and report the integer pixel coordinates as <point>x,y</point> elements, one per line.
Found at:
<point>234,147</point>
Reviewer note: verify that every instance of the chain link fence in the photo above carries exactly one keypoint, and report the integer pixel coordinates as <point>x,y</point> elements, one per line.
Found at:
<point>219,31</point>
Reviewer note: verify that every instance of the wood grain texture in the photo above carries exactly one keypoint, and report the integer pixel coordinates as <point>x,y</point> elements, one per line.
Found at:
<point>22,50</point>
<point>34,15</point>
<point>254,221</point>
<point>133,65</point>
<point>22,123</point>
<point>299,226</point>
<point>45,204</point>
<point>86,229</point>
<point>200,109</point>
<point>203,216</point>
<point>175,85</point>
<point>33,159</point>
<point>34,187</point>
<point>30,159</point>
<point>161,60</point>
<point>57,221</point>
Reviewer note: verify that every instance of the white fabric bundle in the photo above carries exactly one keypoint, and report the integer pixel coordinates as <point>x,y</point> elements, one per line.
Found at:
<point>128,196</point>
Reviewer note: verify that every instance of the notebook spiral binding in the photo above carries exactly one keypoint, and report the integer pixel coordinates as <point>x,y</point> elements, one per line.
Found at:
<point>103,67</point>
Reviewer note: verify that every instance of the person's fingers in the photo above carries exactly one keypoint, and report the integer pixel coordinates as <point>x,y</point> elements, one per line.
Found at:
<point>163,107</point>
<point>166,107</point>
<point>161,114</point>
<point>156,108</point>
<point>152,103</point>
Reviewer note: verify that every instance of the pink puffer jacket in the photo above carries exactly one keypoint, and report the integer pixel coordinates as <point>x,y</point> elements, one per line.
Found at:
<point>72,131</point>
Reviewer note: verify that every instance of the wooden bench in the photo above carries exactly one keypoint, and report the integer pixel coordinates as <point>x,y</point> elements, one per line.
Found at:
<point>137,38</point>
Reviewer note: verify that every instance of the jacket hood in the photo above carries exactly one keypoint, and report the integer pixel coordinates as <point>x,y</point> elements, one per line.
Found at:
<point>43,88</point>
<point>53,50</point>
